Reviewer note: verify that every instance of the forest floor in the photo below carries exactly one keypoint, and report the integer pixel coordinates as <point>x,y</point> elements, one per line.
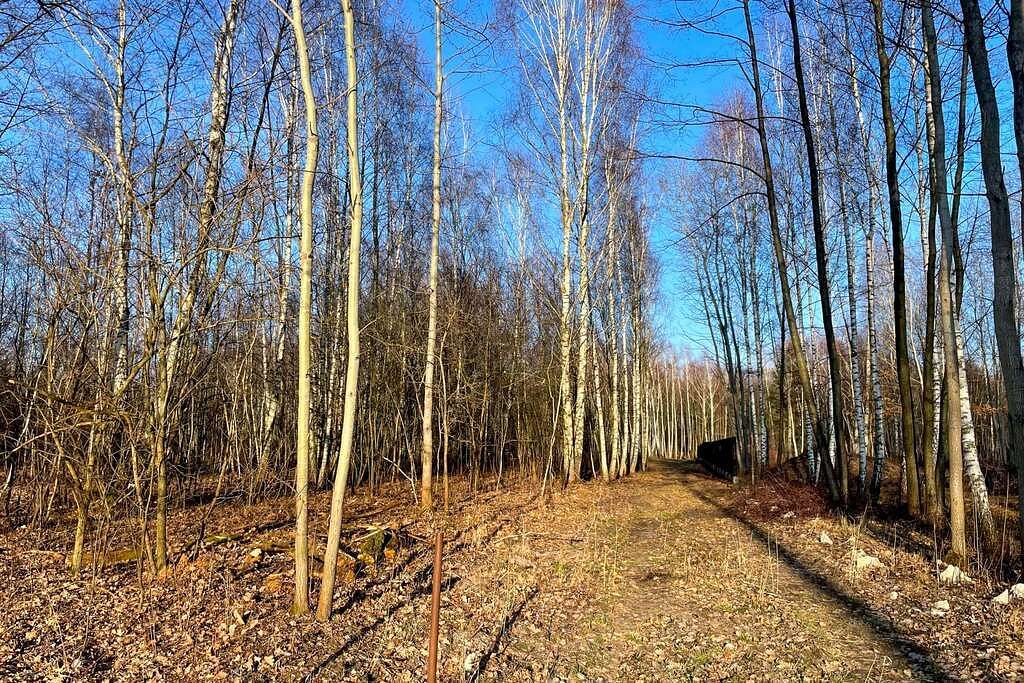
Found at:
<point>668,575</point>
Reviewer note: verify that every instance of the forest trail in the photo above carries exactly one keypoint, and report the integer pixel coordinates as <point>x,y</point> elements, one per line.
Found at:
<point>668,575</point>
<point>686,591</point>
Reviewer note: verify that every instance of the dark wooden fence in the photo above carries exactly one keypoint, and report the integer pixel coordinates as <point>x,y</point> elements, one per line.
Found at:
<point>719,456</point>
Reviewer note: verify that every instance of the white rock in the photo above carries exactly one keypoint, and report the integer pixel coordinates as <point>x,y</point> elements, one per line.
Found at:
<point>953,575</point>
<point>941,605</point>
<point>894,595</point>
<point>864,562</point>
<point>1011,594</point>
<point>825,538</point>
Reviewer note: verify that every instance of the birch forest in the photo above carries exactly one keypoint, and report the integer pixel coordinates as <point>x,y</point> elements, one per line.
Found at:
<point>528,340</point>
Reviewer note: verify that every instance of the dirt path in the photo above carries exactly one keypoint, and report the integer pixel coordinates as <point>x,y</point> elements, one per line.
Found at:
<point>687,592</point>
<point>657,577</point>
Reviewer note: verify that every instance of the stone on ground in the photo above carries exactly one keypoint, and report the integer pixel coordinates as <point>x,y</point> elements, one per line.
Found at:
<point>864,562</point>
<point>1011,594</point>
<point>952,575</point>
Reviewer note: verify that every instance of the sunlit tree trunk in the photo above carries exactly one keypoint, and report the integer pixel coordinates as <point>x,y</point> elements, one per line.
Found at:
<point>300,600</point>
<point>953,426</point>
<point>821,258</point>
<point>1013,367</point>
<point>1003,262</point>
<point>780,259</point>
<point>323,611</point>
<point>427,445</point>
<point>860,431</point>
<point>899,278</point>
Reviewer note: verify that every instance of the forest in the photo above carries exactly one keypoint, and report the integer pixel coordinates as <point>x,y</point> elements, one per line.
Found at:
<point>379,339</point>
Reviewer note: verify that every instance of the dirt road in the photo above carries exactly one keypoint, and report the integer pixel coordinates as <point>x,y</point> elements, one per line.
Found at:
<point>685,591</point>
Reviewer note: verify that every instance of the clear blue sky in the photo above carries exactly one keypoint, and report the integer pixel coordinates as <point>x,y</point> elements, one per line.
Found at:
<point>479,73</point>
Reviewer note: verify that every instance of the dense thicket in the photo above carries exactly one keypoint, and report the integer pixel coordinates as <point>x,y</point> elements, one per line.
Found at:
<point>255,249</point>
<point>869,176</point>
<point>152,210</point>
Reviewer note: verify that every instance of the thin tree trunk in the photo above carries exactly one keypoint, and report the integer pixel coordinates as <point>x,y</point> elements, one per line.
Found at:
<point>780,259</point>
<point>937,145</point>
<point>1003,260</point>
<point>300,601</point>
<point>323,612</point>
<point>899,278</point>
<point>1013,369</point>
<point>427,445</point>
<point>821,257</point>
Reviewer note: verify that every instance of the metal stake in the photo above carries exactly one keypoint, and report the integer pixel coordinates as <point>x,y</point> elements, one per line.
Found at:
<point>435,612</point>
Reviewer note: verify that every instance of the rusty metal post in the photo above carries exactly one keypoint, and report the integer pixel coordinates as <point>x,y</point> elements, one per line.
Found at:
<point>435,612</point>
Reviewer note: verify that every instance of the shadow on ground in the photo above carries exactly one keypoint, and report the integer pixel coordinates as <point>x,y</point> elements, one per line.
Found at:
<point>696,479</point>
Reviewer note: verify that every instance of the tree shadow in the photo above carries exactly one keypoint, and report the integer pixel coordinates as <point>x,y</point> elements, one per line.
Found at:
<point>506,625</point>
<point>914,655</point>
<point>423,586</point>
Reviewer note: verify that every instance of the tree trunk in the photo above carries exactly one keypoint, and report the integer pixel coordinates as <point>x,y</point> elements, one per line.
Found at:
<point>427,444</point>
<point>780,259</point>
<point>300,601</point>
<point>1003,260</point>
<point>323,611</point>
<point>1013,371</point>
<point>818,220</point>
<point>899,278</point>
<point>953,426</point>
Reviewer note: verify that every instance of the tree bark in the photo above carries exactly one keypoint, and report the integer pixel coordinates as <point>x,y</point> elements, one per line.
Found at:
<point>821,259</point>
<point>323,611</point>
<point>1003,259</point>
<point>427,444</point>
<point>953,417</point>
<point>899,277</point>
<point>300,601</point>
<point>780,258</point>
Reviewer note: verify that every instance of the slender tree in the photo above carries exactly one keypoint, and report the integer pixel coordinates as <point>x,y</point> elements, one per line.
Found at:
<point>300,601</point>
<point>323,611</point>
<point>898,272</point>
<point>427,445</point>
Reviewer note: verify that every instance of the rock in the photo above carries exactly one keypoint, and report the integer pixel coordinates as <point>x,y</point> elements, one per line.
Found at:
<point>1011,594</point>
<point>825,538</point>
<point>373,544</point>
<point>952,575</point>
<point>864,562</point>
<point>940,608</point>
<point>894,595</point>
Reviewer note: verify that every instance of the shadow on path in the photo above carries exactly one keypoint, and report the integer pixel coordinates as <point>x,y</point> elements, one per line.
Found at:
<point>695,479</point>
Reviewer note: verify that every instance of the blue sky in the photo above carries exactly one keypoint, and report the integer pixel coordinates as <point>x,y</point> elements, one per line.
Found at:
<point>479,75</point>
